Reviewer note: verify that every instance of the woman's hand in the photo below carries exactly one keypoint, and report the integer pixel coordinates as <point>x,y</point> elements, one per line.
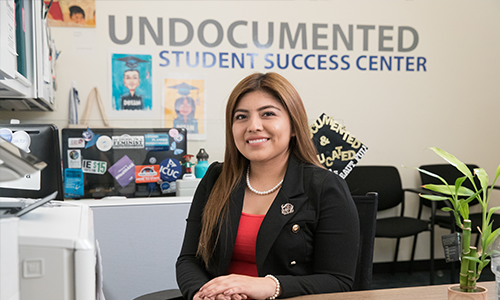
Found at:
<point>235,286</point>
<point>222,297</point>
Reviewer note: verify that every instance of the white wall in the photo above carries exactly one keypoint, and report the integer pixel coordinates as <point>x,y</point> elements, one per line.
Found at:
<point>397,114</point>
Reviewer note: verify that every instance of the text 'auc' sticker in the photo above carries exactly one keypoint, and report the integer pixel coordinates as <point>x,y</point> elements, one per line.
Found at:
<point>94,166</point>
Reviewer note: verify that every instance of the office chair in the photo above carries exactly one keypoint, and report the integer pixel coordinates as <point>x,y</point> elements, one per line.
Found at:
<point>367,212</point>
<point>173,294</point>
<point>386,181</point>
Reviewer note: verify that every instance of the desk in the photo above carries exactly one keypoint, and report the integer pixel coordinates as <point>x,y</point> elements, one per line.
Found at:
<point>431,292</point>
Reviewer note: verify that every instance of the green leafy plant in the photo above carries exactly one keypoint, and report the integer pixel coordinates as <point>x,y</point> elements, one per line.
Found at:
<point>473,260</point>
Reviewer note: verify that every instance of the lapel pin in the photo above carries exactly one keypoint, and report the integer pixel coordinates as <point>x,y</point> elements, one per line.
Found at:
<point>286,208</point>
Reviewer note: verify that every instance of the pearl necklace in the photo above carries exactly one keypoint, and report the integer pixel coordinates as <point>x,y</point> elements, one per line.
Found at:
<point>259,192</point>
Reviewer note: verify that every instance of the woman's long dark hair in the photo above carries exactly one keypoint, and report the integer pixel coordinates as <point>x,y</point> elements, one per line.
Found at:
<point>234,165</point>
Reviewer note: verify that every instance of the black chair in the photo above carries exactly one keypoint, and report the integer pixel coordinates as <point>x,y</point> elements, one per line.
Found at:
<point>173,294</point>
<point>367,212</point>
<point>385,180</point>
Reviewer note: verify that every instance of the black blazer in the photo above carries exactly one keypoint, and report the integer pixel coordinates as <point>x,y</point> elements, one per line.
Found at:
<point>318,258</point>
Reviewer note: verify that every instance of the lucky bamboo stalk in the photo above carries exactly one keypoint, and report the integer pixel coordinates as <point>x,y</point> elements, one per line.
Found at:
<point>464,265</point>
<point>471,280</point>
<point>459,197</point>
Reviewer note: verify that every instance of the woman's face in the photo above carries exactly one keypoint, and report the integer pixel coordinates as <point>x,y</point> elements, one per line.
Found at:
<point>185,109</point>
<point>131,79</point>
<point>261,128</point>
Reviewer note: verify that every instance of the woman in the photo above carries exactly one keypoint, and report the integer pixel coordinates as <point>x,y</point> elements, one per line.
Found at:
<point>270,221</point>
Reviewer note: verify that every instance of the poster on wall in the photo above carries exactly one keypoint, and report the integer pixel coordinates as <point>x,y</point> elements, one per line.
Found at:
<point>131,82</point>
<point>71,13</point>
<point>184,104</point>
<point>338,150</point>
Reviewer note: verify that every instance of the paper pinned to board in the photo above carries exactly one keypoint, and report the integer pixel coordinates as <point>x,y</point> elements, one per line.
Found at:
<point>338,150</point>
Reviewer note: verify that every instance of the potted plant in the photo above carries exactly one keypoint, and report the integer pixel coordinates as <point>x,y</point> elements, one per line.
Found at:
<point>473,260</point>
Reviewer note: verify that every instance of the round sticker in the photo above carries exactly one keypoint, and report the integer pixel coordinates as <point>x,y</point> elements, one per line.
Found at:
<point>164,186</point>
<point>22,140</point>
<point>104,143</point>
<point>6,134</point>
<point>179,138</point>
<point>173,132</point>
<point>170,169</point>
<point>87,135</point>
<point>152,160</point>
<point>74,154</point>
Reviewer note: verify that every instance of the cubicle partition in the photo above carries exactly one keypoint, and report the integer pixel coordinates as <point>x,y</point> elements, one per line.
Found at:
<point>139,240</point>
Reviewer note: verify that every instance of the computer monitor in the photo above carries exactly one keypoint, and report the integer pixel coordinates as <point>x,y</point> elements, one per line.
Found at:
<point>42,141</point>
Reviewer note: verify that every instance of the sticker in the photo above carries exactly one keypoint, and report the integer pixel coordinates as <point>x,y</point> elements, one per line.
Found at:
<point>179,138</point>
<point>76,143</point>
<point>104,143</point>
<point>173,132</point>
<point>145,174</point>
<point>168,187</point>
<point>22,140</point>
<point>164,186</point>
<point>173,147</point>
<point>94,166</point>
<point>156,141</point>
<point>152,160</point>
<point>90,138</point>
<point>6,134</point>
<point>73,183</point>
<point>170,169</point>
<point>123,171</point>
<point>88,135</point>
<point>74,159</point>
<point>28,182</point>
<point>128,142</point>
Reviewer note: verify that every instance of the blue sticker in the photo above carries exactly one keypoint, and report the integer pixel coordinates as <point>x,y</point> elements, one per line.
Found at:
<point>164,186</point>
<point>90,137</point>
<point>170,169</point>
<point>156,141</point>
<point>173,147</point>
<point>179,138</point>
<point>73,183</point>
<point>6,134</point>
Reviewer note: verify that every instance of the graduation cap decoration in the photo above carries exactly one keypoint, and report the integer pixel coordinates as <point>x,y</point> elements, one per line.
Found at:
<point>184,89</point>
<point>132,61</point>
<point>337,149</point>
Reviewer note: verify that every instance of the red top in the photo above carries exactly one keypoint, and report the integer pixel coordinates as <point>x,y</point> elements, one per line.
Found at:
<point>243,260</point>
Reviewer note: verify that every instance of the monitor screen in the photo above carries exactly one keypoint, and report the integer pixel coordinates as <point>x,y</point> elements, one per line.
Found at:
<point>129,162</point>
<point>42,141</point>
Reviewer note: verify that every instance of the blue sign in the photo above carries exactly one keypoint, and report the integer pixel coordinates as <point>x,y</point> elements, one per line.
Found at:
<point>156,141</point>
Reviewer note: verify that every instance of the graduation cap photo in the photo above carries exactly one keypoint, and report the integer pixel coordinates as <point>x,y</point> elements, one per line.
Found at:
<point>131,82</point>
<point>338,150</point>
<point>185,105</point>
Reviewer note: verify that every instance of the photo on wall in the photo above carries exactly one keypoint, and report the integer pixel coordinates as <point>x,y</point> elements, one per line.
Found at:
<point>184,104</point>
<point>131,82</point>
<point>71,13</point>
